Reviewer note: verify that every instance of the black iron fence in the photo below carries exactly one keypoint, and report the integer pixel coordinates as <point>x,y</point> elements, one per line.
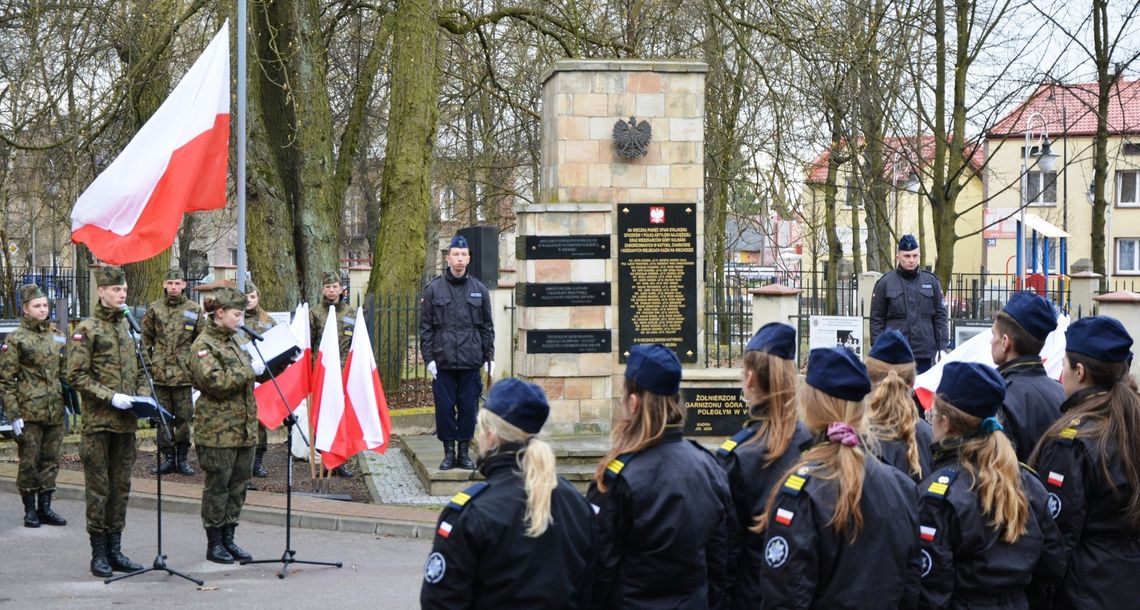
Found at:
<point>60,284</point>
<point>396,344</point>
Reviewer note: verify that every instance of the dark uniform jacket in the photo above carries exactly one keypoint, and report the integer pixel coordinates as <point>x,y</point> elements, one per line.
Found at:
<point>226,412</point>
<point>101,361</point>
<point>911,302</point>
<point>1032,403</point>
<point>964,561</point>
<point>482,557</point>
<point>169,326</point>
<point>664,519</point>
<point>31,372</point>
<point>1103,552</point>
<point>893,452</point>
<point>750,482</point>
<point>456,325</point>
<point>345,323</point>
<point>808,565</point>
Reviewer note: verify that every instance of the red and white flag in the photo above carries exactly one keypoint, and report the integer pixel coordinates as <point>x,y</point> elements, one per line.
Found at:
<point>365,425</point>
<point>294,381</point>
<point>175,164</point>
<point>327,407</point>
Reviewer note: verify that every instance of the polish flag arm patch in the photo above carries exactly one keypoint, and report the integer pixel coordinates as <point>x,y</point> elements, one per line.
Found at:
<point>77,337</point>
<point>928,533</point>
<point>1055,479</point>
<point>444,529</point>
<point>784,516</point>
<point>203,353</point>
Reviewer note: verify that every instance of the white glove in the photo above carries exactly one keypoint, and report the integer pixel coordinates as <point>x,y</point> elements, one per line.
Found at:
<point>258,366</point>
<point>432,369</point>
<point>490,366</point>
<point>121,402</point>
<point>18,426</point>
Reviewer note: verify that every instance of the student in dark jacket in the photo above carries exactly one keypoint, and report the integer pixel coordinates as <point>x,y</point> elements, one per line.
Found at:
<point>524,538</point>
<point>1089,461</point>
<point>756,457</point>
<point>1032,399</point>
<point>987,537</point>
<point>842,529</point>
<point>663,503</point>
<point>903,439</point>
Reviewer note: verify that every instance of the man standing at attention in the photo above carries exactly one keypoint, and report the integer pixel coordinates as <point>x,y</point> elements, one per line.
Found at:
<point>909,300</point>
<point>457,337</point>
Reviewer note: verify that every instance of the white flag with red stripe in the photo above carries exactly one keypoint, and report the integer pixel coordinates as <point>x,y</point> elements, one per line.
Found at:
<point>365,425</point>
<point>176,163</point>
<point>327,407</point>
<point>294,381</point>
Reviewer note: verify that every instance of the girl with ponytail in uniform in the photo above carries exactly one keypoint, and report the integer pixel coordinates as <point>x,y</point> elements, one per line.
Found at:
<point>841,531</point>
<point>903,438</point>
<point>987,538</point>
<point>1089,461</point>
<point>524,538</point>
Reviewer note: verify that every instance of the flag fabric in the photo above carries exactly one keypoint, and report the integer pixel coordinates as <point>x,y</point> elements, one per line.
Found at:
<point>294,381</point>
<point>176,163</point>
<point>928,533</point>
<point>1055,479</point>
<point>365,425</point>
<point>327,407</point>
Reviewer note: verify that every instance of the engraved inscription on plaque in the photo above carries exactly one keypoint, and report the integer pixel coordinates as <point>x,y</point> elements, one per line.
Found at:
<point>713,411</point>
<point>561,295</point>
<point>536,247</point>
<point>568,341</point>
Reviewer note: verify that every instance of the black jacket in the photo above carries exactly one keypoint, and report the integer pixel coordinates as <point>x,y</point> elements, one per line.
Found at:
<point>456,325</point>
<point>807,565</point>
<point>893,452</point>
<point>1032,403</point>
<point>482,557</point>
<point>664,519</point>
<point>912,304</point>
<point>965,562</point>
<point>1103,552</point>
<point>750,482</point>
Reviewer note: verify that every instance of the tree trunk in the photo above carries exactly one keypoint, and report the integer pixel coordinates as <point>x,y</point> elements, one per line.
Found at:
<point>834,248</point>
<point>1106,79</point>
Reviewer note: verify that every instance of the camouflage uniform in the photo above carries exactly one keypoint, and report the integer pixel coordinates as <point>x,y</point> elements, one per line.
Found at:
<point>345,323</point>
<point>169,326</point>
<point>259,321</point>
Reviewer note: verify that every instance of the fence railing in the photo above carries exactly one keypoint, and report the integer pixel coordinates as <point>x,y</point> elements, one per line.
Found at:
<point>396,344</point>
<point>58,284</point>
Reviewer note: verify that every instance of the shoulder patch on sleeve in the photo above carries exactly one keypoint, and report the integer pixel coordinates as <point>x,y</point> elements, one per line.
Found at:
<point>941,484</point>
<point>614,468</point>
<point>794,484</point>
<point>461,499</point>
<point>730,444</point>
<point>1067,434</point>
<point>77,337</point>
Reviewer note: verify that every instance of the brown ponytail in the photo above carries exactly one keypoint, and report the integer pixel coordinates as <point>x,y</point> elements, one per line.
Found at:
<point>777,380</point>
<point>644,429</point>
<point>890,408</point>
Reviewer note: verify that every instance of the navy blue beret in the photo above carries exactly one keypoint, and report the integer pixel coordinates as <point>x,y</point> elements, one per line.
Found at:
<point>892,347</point>
<point>1032,313</point>
<point>776,339</point>
<point>521,404</point>
<point>838,372</point>
<point>972,387</point>
<point>655,368</point>
<point>907,243</point>
<point>458,242</point>
<point>1099,337</point>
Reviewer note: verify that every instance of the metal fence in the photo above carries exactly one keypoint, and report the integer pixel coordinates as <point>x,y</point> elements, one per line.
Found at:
<point>59,284</point>
<point>396,344</point>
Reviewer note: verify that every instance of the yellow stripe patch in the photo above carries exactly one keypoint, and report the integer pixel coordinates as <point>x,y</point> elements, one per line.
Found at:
<point>728,445</point>
<point>937,488</point>
<point>1069,433</point>
<point>615,466</point>
<point>795,482</point>
<point>460,498</point>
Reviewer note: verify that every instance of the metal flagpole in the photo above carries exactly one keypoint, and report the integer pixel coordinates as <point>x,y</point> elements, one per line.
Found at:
<point>239,181</point>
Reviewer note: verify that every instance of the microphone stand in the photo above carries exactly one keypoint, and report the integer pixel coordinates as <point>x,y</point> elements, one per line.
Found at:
<point>289,556</point>
<point>159,564</point>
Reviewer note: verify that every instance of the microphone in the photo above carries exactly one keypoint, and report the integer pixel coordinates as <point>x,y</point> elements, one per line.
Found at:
<point>130,319</point>
<point>256,336</point>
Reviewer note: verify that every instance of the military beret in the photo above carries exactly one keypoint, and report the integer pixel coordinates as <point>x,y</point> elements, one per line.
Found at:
<point>776,339</point>
<point>458,242</point>
<point>230,298</point>
<point>175,274</point>
<point>521,404</point>
<point>29,292</point>
<point>907,243</point>
<point>972,387</point>
<point>1100,338</point>
<point>110,276</point>
<point>1032,313</point>
<point>838,372</point>
<point>892,347</point>
<point>655,368</point>
<point>250,287</point>
<point>330,277</point>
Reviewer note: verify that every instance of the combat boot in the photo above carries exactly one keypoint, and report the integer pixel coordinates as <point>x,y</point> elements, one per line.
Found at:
<point>31,519</point>
<point>167,465</point>
<point>464,460</point>
<point>99,565</point>
<point>342,471</point>
<point>215,551</point>
<point>115,557</point>
<point>258,469</point>
<point>181,466</point>
<point>236,551</point>
<point>448,462</point>
<point>46,514</point>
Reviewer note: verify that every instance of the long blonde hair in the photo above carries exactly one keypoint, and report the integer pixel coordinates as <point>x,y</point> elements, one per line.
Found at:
<point>992,462</point>
<point>837,462</point>
<point>891,413</point>
<point>776,378</point>
<point>537,465</point>
<point>645,429</point>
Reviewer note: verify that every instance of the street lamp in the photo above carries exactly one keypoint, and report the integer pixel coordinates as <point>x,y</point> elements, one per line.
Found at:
<point>1046,160</point>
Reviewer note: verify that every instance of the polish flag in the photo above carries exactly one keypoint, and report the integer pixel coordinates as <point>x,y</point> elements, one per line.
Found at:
<point>365,425</point>
<point>294,380</point>
<point>327,408</point>
<point>175,164</point>
<point>928,533</point>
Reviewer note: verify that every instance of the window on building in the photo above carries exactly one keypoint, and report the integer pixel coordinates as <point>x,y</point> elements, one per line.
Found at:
<point>233,256</point>
<point>1131,148</point>
<point>447,204</point>
<point>1128,187</point>
<point>1128,255</point>
<point>1041,188</point>
<point>853,197</point>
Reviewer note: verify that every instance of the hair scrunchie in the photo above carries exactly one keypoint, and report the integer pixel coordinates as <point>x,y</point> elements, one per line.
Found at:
<point>839,432</point>
<point>991,425</point>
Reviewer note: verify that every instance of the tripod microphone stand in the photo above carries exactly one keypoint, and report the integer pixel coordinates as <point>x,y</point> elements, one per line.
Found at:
<point>159,564</point>
<point>289,556</point>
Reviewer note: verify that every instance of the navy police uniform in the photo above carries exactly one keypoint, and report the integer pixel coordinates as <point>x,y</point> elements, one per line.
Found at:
<point>1032,403</point>
<point>894,452</point>
<point>911,302</point>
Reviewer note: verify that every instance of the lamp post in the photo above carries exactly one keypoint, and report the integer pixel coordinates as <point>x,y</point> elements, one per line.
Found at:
<point>911,186</point>
<point>1047,161</point>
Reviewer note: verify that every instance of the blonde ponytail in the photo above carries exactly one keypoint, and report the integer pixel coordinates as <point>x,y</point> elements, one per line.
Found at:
<point>537,463</point>
<point>891,410</point>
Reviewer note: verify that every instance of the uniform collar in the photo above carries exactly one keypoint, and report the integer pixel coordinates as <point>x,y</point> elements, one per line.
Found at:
<point>456,280</point>
<point>503,459</point>
<point>106,314</point>
<point>757,413</point>
<point>1021,365</point>
<point>1082,395</point>
<point>218,330</point>
<point>673,434</point>
<point>174,301</point>
<point>909,275</point>
<point>31,323</point>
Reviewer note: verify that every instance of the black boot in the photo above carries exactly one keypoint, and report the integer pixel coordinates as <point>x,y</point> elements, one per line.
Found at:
<point>182,466</point>
<point>236,551</point>
<point>115,557</point>
<point>258,469</point>
<point>448,456</point>
<point>464,460</point>
<point>215,552</point>
<point>46,514</point>
<point>99,565</point>
<point>167,465</point>
<point>31,519</point>
<point>342,471</point>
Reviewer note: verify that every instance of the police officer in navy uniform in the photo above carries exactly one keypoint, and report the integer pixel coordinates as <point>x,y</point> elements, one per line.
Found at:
<point>909,300</point>
<point>524,538</point>
<point>663,504</point>
<point>758,456</point>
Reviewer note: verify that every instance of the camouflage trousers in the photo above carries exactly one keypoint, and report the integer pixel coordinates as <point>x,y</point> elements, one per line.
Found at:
<point>39,451</point>
<point>228,469</point>
<point>177,400</point>
<point>107,461</point>
<point>262,438</point>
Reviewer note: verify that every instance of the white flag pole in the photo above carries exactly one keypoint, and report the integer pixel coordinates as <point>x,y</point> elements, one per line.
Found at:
<point>241,111</point>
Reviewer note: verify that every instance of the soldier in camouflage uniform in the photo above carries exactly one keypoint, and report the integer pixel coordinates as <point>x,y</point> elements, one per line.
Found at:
<point>225,431</point>
<point>257,319</point>
<point>31,372</point>
<point>103,367</point>
<point>345,321</point>
<point>169,326</point>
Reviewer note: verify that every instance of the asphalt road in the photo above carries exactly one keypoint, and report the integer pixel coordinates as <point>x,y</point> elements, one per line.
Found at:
<point>48,567</point>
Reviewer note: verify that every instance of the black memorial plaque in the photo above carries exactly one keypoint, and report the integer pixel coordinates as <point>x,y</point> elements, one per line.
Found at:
<point>568,341</point>
<point>713,411</point>
<point>657,277</point>
<point>536,247</point>
<point>562,295</point>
